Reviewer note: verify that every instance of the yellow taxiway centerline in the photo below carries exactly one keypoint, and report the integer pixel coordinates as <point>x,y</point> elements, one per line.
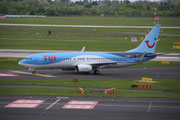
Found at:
<point>42,75</point>
<point>53,104</point>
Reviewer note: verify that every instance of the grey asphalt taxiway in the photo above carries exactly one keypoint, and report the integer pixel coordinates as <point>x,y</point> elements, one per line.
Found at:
<point>106,108</point>
<point>119,73</point>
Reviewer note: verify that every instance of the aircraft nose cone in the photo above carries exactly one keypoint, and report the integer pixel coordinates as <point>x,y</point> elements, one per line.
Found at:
<point>19,63</point>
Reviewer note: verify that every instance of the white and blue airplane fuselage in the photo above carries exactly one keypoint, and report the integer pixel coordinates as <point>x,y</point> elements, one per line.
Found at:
<point>92,61</point>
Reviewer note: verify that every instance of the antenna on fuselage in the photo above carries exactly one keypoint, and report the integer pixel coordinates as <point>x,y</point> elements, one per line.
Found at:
<point>83,49</point>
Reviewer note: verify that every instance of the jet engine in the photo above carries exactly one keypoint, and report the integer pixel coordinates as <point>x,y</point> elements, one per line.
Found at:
<point>84,68</point>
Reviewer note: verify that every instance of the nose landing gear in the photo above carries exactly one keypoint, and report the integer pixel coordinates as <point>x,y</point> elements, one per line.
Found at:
<point>33,72</point>
<point>96,72</point>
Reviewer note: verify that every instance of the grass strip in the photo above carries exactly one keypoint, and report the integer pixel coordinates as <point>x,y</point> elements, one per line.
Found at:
<point>10,64</point>
<point>19,30</point>
<point>67,92</point>
<point>163,84</point>
<point>88,20</point>
<point>92,43</point>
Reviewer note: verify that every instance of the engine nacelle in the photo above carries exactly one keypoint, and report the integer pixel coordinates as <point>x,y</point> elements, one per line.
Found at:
<point>84,68</point>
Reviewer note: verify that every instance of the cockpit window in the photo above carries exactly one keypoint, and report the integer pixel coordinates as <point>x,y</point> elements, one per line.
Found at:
<point>28,58</point>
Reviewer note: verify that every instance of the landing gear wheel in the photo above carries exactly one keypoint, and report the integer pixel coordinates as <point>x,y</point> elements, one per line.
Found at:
<point>96,72</point>
<point>77,70</point>
<point>33,72</point>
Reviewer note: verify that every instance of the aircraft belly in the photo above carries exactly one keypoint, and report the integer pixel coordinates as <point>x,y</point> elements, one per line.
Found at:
<point>118,65</point>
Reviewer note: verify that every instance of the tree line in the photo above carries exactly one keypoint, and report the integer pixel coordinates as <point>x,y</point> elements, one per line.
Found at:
<point>86,8</point>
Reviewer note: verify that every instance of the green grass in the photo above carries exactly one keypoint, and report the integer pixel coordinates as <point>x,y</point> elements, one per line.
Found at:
<point>12,64</point>
<point>165,45</point>
<point>164,84</point>
<point>114,21</point>
<point>57,30</point>
<point>100,39</point>
<point>38,91</point>
<point>67,92</point>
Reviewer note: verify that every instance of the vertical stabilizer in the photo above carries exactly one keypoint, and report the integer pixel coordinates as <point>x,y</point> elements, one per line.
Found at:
<point>148,45</point>
<point>83,49</point>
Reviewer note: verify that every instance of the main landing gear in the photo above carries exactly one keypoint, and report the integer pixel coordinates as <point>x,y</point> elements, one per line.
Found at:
<point>96,72</point>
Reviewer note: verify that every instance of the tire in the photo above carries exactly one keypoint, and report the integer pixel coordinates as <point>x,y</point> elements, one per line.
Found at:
<point>96,72</point>
<point>77,70</point>
<point>33,72</point>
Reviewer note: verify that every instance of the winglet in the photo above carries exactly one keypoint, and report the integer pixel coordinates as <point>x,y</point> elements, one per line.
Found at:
<point>83,49</point>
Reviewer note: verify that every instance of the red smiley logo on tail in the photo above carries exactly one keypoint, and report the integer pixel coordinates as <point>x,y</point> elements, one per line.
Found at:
<point>147,42</point>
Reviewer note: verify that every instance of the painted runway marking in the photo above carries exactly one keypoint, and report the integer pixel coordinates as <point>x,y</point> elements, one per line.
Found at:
<point>24,104</point>
<point>80,105</point>
<point>53,104</point>
<point>8,75</point>
<point>12,105</point>
<point>29,101</point>
<point>27,73</point>
<point>149,108</point>
<point>83,102</point>
<point>50,106</point>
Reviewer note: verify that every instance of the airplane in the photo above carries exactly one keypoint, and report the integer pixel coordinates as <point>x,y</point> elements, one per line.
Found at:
<point>92,62</point>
